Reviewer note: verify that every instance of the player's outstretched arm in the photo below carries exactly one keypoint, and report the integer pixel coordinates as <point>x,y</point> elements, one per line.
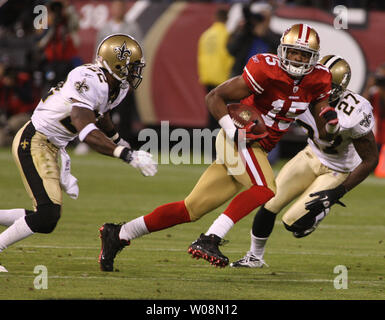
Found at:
<point>84,121</point>
<point>367,150</point>
<point>105,124</point>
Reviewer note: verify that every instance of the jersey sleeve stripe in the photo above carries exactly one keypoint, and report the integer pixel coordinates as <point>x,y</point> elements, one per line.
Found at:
<point>254,83</point>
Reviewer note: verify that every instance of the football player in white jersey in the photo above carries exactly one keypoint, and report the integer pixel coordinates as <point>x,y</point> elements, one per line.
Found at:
<point>78,107</point>
<point>318,176</point>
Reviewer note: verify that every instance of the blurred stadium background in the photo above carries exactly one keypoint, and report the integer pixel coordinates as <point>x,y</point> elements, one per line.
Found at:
<point>31,60</point>
<point>157,267</point>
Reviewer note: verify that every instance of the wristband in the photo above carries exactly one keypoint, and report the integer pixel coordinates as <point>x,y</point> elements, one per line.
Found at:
<point>126,155</point>
<point>118,151</point>
<point>86,130</point>
<point>123,153</point>
<point>228,125</point>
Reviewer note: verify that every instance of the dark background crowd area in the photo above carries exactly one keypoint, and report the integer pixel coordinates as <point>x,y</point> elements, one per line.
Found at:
<point>33,60</point>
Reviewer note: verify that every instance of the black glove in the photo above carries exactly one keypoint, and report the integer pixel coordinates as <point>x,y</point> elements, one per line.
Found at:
<point>325,199</point>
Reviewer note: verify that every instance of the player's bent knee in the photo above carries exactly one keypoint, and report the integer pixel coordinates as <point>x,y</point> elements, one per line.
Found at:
<point>194,213</point>
<point>45,219</point>
<point>194,216</point>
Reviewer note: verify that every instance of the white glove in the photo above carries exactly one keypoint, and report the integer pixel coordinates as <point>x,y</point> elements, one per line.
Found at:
<point>143,161</point>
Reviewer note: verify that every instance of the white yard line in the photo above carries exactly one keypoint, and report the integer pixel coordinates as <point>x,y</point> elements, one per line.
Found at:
<point>267,278</point>
<point>272,251</point>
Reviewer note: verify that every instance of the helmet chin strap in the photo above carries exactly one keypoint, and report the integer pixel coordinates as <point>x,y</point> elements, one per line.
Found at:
<point>103,64</point>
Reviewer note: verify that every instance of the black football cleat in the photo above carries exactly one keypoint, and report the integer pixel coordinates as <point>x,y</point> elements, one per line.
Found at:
<point>111,245</point>
<point>206,247</point>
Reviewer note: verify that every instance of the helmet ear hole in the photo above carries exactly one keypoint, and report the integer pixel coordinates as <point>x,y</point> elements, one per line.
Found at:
<point>118,67</point>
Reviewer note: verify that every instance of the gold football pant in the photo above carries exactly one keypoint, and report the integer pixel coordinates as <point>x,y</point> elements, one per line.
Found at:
<point>302,175</point>
<point>231,172</point>
<point>36,159</point>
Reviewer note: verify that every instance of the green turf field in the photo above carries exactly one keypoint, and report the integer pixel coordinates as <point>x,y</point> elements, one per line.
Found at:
<point>157,266</point>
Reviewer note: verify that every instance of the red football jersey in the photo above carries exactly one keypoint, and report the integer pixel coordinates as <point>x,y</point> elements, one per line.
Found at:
<point>279,97</point>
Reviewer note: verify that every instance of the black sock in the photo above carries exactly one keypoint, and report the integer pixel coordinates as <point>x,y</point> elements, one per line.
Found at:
<point>263,223</point>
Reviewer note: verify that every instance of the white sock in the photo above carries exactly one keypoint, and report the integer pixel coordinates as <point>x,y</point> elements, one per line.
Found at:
<point>257,246</point>
<point>221,226</point>
<point>8,217</point>
<point>16,232</point>
<point>133,229</point>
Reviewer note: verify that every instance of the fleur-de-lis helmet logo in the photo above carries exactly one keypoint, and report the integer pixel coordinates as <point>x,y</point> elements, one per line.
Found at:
<point>122,52</point>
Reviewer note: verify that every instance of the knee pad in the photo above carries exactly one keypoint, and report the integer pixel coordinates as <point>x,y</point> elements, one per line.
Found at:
<point>45,218</point>
<point>263,223</point>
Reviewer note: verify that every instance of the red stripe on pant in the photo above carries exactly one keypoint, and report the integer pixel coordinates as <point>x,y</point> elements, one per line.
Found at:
<point>257,166</point>
<point>248,165</point>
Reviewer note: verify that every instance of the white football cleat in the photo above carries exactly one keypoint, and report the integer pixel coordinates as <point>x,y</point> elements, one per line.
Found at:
<point>2,269</point>
<point>249,261</point>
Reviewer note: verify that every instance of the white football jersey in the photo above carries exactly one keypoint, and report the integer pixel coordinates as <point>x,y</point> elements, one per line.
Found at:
<point>86,86</point>
<point>356,119</point>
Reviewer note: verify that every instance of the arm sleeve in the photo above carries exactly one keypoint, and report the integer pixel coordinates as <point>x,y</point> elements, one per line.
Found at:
<point>364,123</point>
<point>84,88</point>
<point>254,74</point>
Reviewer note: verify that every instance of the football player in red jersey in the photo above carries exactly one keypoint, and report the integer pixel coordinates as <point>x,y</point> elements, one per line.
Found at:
<point>323,172</point>
<point>281,87</point>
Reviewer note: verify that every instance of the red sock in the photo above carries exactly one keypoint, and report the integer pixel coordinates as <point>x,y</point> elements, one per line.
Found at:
<point>247,201</point>
<point>167,216</point>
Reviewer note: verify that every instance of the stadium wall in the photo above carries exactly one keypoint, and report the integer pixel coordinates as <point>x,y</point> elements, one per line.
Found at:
<point>171,91</point>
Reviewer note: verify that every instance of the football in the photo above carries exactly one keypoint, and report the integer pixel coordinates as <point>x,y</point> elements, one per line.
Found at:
<point>242,114</point>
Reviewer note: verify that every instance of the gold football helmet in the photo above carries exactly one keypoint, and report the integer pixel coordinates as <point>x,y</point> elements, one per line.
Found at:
<point>341,74</point>
<point>300,37</point>
<point>122,56</point>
